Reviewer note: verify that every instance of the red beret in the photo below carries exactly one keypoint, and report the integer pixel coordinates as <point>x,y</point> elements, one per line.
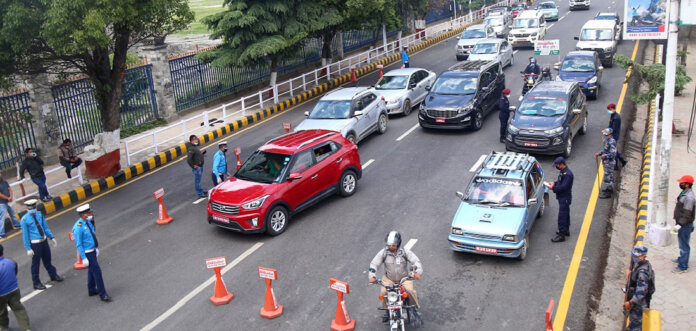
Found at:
<point>611,106</point>
<point>506,91</point>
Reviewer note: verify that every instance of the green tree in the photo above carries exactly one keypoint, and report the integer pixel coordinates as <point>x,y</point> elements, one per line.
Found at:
<point>654,76</point>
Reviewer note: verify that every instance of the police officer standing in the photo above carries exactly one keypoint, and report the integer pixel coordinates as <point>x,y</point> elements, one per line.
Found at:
<point>608,155</point>
<point>35,233</point>
<point>640,291</point>
<point>615,125</point>
<point>563,187</point>
<point>88,247</point>
<point>220,164</point>
<point>504,114</point>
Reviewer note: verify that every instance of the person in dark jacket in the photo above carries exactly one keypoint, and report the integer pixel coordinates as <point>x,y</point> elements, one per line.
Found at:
<point>34,165</point>
<point>563,187</point>
<point>195,161</point>
<point>504,114</point>
<point>615,125</point>
<point>638,295</point>
<point>68,157</point>
<point>9,294</point>
<point>684,216</point>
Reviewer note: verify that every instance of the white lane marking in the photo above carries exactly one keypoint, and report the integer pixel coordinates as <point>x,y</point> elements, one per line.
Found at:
<point>367,163</point>
<point>407,133</point>
<point>200,288</point>
<point>33,294</point>
<point>410,243</point>
<point>198,201</point>
<point>515,52</point>
<point>551,26</point>
<point>562,17</point>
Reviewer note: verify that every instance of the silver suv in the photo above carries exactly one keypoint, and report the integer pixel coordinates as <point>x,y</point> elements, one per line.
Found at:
<point>355,112</point>
<point>405,88</point>
<point>470,37</point>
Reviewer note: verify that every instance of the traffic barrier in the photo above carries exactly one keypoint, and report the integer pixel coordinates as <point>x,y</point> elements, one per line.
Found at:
<point>287,126</point>
<point>342,322</point>
<point>271,308</point>
<point>78,264</point>
<point>380,67</point>
<point>163,217</point>
<point>238,154</point>
<point>221,295</point>
<point>549,316</point>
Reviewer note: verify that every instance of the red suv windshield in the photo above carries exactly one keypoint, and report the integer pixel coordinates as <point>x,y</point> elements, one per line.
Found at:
<point>264,167</point>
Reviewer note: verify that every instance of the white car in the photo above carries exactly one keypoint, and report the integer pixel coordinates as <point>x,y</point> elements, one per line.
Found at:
<point>528,27</point>
<point>403,89</point>
<point>493,50</point>
<point>500,21</point>
<point>469,38</point>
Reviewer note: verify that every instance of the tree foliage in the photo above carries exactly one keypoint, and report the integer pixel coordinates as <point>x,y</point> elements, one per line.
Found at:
<point>654,76</point>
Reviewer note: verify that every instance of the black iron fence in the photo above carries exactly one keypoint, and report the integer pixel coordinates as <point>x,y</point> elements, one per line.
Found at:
<point>16,129</point>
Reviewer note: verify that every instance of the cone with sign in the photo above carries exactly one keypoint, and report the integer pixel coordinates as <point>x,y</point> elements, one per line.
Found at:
<point>221,295</point>
<point>353,77</point>
<point>78,264</point>
<point>271,308</point>
<point>163,216</point>
<point>342,322</point>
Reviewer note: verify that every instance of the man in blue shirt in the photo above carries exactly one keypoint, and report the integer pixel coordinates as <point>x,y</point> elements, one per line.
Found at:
<point>220,164</point>
<point>35,233</point>
<point>9,294</point>
<point>404,57</point>
<point>563,187</point>
<point>88,247</point>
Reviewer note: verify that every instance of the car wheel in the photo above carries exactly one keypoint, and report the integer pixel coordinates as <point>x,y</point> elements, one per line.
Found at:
<point>569,147</point>
<point>407,107</point>
<point>583,129</point>
<point>477,121</point>
<point>277,220</point>
<point>525,247</point>
<point>542,208</point>
<point>347,183</point>
<point>382,123</point>
<point>596,94</point>
<point>351,137</point>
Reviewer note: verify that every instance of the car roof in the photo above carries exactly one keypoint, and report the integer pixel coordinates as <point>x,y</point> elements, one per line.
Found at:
<point>607,14</point>
<point>476,27</point>
<point>291,142</point>
<point>490,41</point>
<point>543,2</point>
<point>345,93</point>
<point>529,14</point>
<point>607,24</point>
<point>504,165</point>
<point>580,54</point>
<point>470,66</point>
<point>403,71</point>
<point>552,88</point>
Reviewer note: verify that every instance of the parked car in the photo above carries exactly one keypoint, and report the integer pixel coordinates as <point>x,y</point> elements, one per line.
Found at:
<point>500,206</point>
<point>518,7</point>
<point>549,9</point>
<point>283,177</point>
<point>493,50</point>
<point>402,89</point>
<point>500,22</point>
<point>575,4</point>
<point>583,67</point>
<point>612,17</point>
<point>470,37</point>
<point>463,95</point>
<point>599,36</point>
<point>527,28</point>
<point>355,112</point>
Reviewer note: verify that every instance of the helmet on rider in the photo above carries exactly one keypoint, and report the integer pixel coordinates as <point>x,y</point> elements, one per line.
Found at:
<point>393,241</point>
<point>532,60</point>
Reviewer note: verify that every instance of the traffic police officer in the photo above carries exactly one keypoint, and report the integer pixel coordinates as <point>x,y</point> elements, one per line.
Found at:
<point>563,187</point>
<point>504,114</point>
<point>88,247</point>
<point>608,155</point>
<point>639,290</point>
<point>615,125</point>
<point>35,233</point>
<point>220,164</point>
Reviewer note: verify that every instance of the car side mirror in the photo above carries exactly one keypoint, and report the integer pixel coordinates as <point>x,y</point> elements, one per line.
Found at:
<point>532,201</point>
<point>577,111</point>
<point>600,68</point>
<point>358,113</point>
<point>306,113</point>
<point>460,195</point>
<point>412,85</point>
<point>294,176</point>
<point>576,38</point>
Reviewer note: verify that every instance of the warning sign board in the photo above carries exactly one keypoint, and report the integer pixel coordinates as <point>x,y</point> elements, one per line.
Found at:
<point>547,47</point>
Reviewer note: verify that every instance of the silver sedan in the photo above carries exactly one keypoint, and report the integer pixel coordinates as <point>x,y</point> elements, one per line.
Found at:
<point>404,89</point>
<point>493,50</point>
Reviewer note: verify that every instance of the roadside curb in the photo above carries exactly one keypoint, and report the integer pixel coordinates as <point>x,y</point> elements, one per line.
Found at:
<point>122,176</point>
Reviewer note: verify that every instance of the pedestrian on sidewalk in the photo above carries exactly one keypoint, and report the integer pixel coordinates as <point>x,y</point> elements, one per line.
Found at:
<point>615,125</point>
<point>504,113</point>
<point>9,294</point>
<point>34,165</point>
<point>88,248</point>
<point>608,155</point>
<point>684,216</point>
<point>404,57</point>
<point>641,286</point>
<point>68,157</point>
<point>563,187</point>
<point>220,164</point>
<point>5,208</point>
<point>35,234</point>
<point>195,161</point>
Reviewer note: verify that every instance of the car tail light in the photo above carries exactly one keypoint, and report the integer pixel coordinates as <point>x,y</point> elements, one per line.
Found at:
<point>383,99</point>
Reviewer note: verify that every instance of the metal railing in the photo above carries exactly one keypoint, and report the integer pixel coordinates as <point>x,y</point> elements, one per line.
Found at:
<point>294,86</point>
<point>24,195</point>
<point>16,128</point>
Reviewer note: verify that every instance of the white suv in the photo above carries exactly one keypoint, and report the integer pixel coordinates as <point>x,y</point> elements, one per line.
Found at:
<point>575,4</point>
<point>527,28</point>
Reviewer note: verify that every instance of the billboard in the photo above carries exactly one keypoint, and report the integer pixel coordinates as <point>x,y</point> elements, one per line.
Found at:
<point>646,19</point>
<point>687,6</point>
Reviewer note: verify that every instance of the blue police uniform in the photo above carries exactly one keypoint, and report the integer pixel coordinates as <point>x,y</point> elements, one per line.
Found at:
<point>219,167</point>
<point>503,115</point>
<point>608,154</point>
<point>563,188</point>
<point>35,234</point>
<point>87,245</point>
<point>615,125</point>
<point>404,58</point>
<point>640,278</point>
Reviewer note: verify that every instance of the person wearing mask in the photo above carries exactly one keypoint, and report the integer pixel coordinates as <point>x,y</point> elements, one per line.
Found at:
<point>532,67</point>
<point>195,161</point>
<point>615,125</point>
<point>68,157</point>
<point>88,248</point>
<point>684,217</point>
<point>5,208</point>
<point>220,164</point>
<point>563,187</point>
<point>608,155</point>
<point>34,165</point>
<point>404,58</point>
<point>9,294</point>
<point>35,235</point>
<point>504,113</point>
<point>641,286</point>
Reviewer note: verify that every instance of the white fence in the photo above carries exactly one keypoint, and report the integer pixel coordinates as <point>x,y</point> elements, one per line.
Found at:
<point>19,189</point>
<point>289,88</point>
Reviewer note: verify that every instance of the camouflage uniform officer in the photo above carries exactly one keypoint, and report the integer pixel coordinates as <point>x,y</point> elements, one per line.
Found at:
<point>608,155</point>
<point>640,290</point>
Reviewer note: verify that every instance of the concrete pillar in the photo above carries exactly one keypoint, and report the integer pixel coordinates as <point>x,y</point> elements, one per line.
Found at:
<point>162,80</point>
<point>46,125</point>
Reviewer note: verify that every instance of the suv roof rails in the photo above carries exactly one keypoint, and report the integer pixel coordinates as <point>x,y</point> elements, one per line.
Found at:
<point>469,66</point>
<point>502,161</point>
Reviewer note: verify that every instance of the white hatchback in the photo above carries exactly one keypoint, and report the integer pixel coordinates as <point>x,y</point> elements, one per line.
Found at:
<point>493,50</point>
<point>403,89</point>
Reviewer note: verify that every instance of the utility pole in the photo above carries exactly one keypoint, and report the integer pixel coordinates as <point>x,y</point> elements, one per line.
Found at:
<point>454,6</point>
<point>660,230</point>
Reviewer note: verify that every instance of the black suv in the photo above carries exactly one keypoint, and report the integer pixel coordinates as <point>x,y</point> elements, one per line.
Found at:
<point>462,96</point>
<point>549,117</point>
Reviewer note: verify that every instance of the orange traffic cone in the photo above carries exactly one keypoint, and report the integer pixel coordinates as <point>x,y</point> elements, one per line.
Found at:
<point>221,296</point>
<point>78,264</point>
<point>342,322</point>
<point>163,216</point>
<point>271,308</point>
<point>380,67</point>
<point>353,78</point>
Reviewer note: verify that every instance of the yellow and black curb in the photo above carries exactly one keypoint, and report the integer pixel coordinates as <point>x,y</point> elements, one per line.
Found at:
<point>642,215</point>
<point>96,186</point>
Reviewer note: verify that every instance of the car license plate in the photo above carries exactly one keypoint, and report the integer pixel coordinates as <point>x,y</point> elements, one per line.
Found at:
<point>530,144</point>
<point>522,39</point>
<point>486,250</point>
<point>221,219</point>
<point>439,120</point>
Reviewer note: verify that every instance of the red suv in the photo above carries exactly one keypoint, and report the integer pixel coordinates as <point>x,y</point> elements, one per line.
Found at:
<point>283,177</point>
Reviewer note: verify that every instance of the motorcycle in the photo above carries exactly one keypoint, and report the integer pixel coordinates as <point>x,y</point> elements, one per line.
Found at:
<point>399,308</point>
<point>530,80</point>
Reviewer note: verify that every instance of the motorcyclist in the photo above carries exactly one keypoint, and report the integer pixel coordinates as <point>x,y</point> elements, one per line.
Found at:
<point>396,261</point>
<point>546,73</point>
<point>531,69</point>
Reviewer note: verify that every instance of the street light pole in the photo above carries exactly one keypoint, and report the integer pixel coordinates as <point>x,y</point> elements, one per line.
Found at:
<point>454,6</point>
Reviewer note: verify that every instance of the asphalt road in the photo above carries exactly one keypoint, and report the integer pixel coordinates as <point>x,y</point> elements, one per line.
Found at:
<point>409,186</point>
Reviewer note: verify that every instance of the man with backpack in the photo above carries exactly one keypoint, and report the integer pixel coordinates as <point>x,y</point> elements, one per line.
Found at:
<point>641,286</point>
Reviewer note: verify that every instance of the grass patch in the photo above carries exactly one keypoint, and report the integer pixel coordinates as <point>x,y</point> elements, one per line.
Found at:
<point>201,8</point>
<point>133,131</point>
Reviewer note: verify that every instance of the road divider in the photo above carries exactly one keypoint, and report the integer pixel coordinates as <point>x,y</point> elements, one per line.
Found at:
<point>163,217</point>
<point>342,322</point>
<point>271,308</point>
<point>221,296</point>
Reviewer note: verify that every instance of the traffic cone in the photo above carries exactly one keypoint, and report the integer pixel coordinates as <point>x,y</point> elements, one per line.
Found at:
<point>271,308</point>
<point>221,295</point>
<point>342,322</point>
<point>163,216</point>
<point>239,163</point>
<point>380,67</point>
<point>353,78</point>
<point>78,264</point>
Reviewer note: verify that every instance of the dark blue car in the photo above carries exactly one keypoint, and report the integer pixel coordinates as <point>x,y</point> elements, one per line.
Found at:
<point>583,67</point>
